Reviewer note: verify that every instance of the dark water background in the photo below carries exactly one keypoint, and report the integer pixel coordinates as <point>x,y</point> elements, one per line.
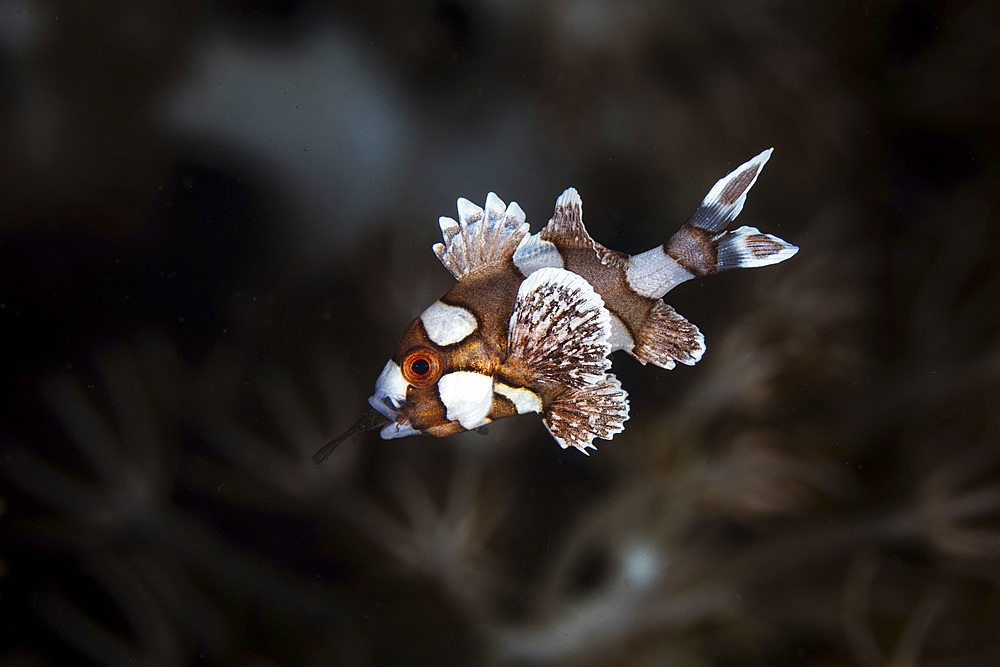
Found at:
<point>216,219</point>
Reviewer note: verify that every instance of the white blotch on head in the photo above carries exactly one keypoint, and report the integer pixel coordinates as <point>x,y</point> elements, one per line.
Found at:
<point>534,254</point>
<point>446,324</point>
<point>523,399</point>
<point>390,384</point>
<point>467,397</point>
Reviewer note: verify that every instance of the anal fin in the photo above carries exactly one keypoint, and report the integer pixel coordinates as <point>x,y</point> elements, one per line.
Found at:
<point>666,337</point>
<point>577,416</point>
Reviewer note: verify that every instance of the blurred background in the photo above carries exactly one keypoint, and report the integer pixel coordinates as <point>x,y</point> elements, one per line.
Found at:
<point>216,219</point>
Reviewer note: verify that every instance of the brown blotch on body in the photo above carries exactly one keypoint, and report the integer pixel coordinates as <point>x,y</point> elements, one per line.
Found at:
<point>693,249</point>
<point>603,268</point>
<point>502,407</point>
<point>444,430</point>
<point>605,271</point>
<point>489,295</point>
<point>424,408</point>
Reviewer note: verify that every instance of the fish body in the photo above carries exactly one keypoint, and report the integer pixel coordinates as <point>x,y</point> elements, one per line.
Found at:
<point>532,318</point>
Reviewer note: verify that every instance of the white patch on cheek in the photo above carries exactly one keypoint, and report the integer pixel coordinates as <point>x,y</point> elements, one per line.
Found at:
<point>523,399</point>
<point>467,397</point>
<point>446,324</point>
<point>389,384</point>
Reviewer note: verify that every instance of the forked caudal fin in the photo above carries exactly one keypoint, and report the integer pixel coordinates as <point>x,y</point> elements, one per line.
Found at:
<point>702,246</point>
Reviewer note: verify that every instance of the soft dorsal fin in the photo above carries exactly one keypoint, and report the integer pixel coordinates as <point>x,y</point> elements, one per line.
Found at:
<point>559,341</point>
<point>480,237</point>
<point>566,231</point>
<point>566,225</point>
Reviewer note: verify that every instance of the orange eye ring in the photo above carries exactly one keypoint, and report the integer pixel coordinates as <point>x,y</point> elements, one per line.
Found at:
<point>421,368</point>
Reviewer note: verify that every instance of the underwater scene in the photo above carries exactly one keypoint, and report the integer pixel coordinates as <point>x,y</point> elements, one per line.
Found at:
<point>316,357</point>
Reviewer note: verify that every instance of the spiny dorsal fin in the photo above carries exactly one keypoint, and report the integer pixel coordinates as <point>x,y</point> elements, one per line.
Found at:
<point>666,338</point>
<point>559,339</point>
<point>480,237</point>
<point>577,416</point>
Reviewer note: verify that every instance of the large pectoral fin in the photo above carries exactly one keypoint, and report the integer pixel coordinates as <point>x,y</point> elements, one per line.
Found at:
<point>559,343</point>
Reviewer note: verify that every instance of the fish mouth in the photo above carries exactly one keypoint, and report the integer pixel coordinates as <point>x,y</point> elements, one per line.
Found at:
<point>391,408</point>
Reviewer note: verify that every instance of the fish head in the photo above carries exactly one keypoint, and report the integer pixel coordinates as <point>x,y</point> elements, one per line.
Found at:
<point>439,380</point>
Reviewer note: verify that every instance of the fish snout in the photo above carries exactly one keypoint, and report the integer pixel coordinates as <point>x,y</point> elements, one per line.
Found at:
<point>390,399</point>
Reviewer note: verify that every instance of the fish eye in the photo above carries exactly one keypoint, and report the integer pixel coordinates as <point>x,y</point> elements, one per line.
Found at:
<point>421,368</point>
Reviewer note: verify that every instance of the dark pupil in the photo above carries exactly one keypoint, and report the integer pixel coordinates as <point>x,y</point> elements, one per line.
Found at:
<point>420,366</point>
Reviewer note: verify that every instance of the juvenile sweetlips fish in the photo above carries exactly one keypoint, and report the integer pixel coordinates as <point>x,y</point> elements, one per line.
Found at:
<point>532,318</point>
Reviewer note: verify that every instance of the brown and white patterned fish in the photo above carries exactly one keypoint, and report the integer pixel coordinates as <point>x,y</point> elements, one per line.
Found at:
<point>532,319</point>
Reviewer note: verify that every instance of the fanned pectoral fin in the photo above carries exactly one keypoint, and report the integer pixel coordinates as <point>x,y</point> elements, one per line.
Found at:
<point>577,416</point>
<point>666,337</point>
<point>559,331</point>
<point>559,346</point>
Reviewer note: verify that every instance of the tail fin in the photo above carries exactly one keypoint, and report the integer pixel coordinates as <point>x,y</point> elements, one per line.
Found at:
<point>726,198</point>
<point>702,246</point>
<point>747,248</point>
